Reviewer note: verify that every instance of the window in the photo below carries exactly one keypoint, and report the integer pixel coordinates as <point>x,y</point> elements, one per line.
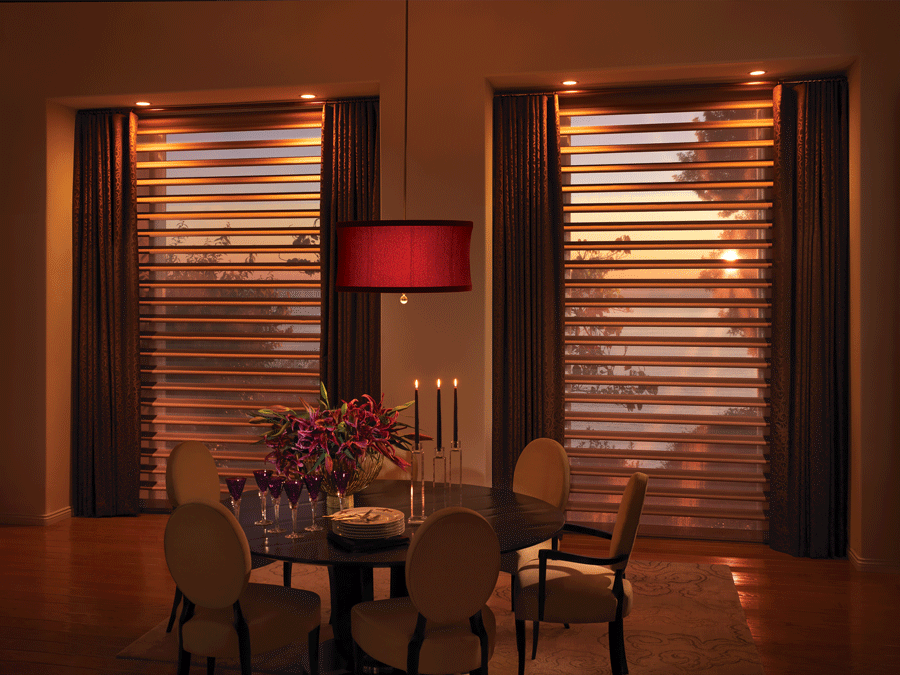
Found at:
<point>668,278</point>
<point>228,209</point>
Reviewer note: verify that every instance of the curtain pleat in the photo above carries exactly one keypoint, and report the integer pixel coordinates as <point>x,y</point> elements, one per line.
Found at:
<point>351,322</point>
<point>106,426</point>
<point>810,378</point>
<point>528,294</point>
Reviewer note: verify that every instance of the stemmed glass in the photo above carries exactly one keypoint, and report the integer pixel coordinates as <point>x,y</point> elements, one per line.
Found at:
<point>293,488</point>
<point>313,482</point>
<point>236,489</point>
<point>262,482</point>
<point>342,477</point>
<point>275,485</point>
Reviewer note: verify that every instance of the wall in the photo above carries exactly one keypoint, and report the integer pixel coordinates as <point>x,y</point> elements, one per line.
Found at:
<point>459,51</point>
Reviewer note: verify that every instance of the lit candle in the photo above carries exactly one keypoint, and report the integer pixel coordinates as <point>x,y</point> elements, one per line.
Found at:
<point>439,415</point>
<point>455,414</point>
<point>417,415</point>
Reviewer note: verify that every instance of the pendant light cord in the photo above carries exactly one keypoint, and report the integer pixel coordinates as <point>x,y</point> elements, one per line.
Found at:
<point>405,107</point>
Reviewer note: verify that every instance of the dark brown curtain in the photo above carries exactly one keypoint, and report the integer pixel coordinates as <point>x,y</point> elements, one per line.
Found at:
<point>528,294</point>
<point>106,427</point>
<point>810,387</point>
<point>351,322</point>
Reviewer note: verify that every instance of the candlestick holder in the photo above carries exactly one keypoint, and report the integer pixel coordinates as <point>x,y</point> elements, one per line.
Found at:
<point>454,472</point>
<point>439,483</point>
<point>417,485</point>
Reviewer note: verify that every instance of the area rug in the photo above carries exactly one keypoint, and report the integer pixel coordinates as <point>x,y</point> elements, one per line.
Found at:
<point>686,618</point>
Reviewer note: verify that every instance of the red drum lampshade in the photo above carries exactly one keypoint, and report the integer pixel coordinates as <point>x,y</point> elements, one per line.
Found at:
<point>404,256</point>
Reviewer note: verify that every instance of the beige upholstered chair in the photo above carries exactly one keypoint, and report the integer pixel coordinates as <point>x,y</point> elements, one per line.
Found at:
<point>224,615</point>
<point>444,626</point>
<point>542,471</point>
<point>192,476</point>
<point>560,587</point>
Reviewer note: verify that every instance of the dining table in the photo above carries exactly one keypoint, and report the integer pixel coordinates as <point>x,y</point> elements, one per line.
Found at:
<point>519,520</point>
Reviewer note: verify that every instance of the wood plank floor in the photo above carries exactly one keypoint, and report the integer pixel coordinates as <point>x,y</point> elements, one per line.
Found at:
<point>77,592</point>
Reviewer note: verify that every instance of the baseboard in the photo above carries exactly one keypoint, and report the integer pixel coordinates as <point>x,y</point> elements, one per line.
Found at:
<point>872,564</point>
<point>46,519</point>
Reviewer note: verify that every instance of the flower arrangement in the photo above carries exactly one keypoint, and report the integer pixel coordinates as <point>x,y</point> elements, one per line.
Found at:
<point>305,440</point>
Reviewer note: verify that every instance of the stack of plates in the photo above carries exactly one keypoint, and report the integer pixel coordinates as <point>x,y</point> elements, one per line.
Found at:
<point>368,522</point>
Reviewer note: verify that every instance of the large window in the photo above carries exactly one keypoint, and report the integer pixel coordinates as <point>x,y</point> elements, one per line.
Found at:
<point>667,274</point>
<point>228,212</point>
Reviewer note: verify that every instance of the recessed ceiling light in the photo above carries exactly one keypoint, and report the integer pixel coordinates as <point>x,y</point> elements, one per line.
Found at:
<point>569,83</point>
<point>757,72</point>
<point>142,103</point>
<point>307,95</point>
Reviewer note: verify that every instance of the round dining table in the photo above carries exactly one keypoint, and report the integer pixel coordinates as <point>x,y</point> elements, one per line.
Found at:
<point>519,521</point>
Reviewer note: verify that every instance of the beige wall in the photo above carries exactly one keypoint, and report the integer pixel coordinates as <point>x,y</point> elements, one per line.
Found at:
<point>459,51</point>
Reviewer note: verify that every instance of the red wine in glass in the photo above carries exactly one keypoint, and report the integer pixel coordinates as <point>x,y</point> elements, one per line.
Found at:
<point>293,488</point>
<point>262,482</point>
<point>236,489</point>
<point>276,483</point>
<point>313,483</point>
<point>341,481</point>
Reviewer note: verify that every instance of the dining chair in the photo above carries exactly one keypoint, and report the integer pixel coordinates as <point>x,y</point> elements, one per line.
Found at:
<point>192,476</point>
<point>560,587</point>
<point>542,471</point>
<point>224,615</point>
<point>444,625</point>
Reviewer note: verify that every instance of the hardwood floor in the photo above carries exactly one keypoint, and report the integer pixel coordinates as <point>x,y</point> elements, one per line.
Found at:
<point>77,592</point>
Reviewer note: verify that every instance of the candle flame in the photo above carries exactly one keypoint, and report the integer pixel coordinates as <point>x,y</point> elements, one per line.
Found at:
<point>439,384</point>
<point>417,384</point>
<point>455,381</point>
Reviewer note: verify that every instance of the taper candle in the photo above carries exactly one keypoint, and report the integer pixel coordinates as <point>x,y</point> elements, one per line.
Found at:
<point>439,414</point>
<point>455,413</point>
<point>417,413</point>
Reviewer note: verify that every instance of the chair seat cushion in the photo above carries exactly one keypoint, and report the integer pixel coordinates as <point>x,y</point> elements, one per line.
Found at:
<point>275,615</point>
<point>383,629</point>
<point>575,593</point>
<point>512,560</point>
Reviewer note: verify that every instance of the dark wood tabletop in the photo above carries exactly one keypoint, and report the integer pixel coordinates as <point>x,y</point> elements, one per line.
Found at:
<point>519,521</point>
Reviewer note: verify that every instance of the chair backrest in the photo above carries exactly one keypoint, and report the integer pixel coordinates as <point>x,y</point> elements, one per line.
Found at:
<point>191,475</point>
<point>542,471</point>
<point>452,564</point>
<point>207,554</point>
<point>628,518</point>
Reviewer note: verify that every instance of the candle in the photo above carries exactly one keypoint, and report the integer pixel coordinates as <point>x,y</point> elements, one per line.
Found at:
<point>439,415</point>
<point>417,415</point>
<point>455,414</point>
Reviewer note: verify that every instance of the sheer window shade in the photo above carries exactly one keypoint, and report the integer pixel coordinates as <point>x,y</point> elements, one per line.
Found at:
<point>668,276</point>
<point>228,208</point>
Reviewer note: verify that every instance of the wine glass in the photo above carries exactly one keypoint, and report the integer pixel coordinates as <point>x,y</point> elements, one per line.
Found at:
<point>276,483</point>
<point>342,475</point>
<point>313,482</point>
<point>293,488</point>
<point>262,482</point>
<point>236,489</point>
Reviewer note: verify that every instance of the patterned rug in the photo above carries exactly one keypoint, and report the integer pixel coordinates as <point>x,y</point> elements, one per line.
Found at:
<point>687,618</point>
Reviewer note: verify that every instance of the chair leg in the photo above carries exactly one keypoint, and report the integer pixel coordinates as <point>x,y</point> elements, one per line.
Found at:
<point>617,659</point>
<point>534,638</point>
<point>313,647</point>
<point>175,604</point>
<point>356,666</point>
<point>287,574</point>
<point>184,662</point>
<point>210,665</point>
<point>520,645</point>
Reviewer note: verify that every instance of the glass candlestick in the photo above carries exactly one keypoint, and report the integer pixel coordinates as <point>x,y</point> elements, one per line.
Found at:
<point>454,472</point>
<point>417,485</point>
<point>439,477</point>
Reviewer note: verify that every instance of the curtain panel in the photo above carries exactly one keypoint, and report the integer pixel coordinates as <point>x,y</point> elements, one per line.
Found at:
<point>351,322</point>
<point>810,379</point>
<point>528,294</point>
<point>106,427</point>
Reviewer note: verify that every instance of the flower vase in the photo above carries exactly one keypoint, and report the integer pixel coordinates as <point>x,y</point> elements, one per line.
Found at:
<point>367,470</point>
